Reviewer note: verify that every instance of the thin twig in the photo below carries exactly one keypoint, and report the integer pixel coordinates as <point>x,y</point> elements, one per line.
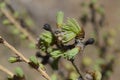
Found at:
<point>6,71</point>
<point>19,54</point>
<point>15,51</point>
<point>9,15</point>
<point>17,24</point>
<point>80,74</point>
<point>44,74</point>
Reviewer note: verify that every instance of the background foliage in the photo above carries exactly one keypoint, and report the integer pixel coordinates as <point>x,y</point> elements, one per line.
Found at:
<point>42,12</point>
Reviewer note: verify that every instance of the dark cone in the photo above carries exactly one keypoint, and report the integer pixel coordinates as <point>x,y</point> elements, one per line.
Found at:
<point>89,41</point>
<point>47,27</point>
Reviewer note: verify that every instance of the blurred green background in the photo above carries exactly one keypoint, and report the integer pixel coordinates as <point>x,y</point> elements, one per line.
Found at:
<point>44,11</point>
